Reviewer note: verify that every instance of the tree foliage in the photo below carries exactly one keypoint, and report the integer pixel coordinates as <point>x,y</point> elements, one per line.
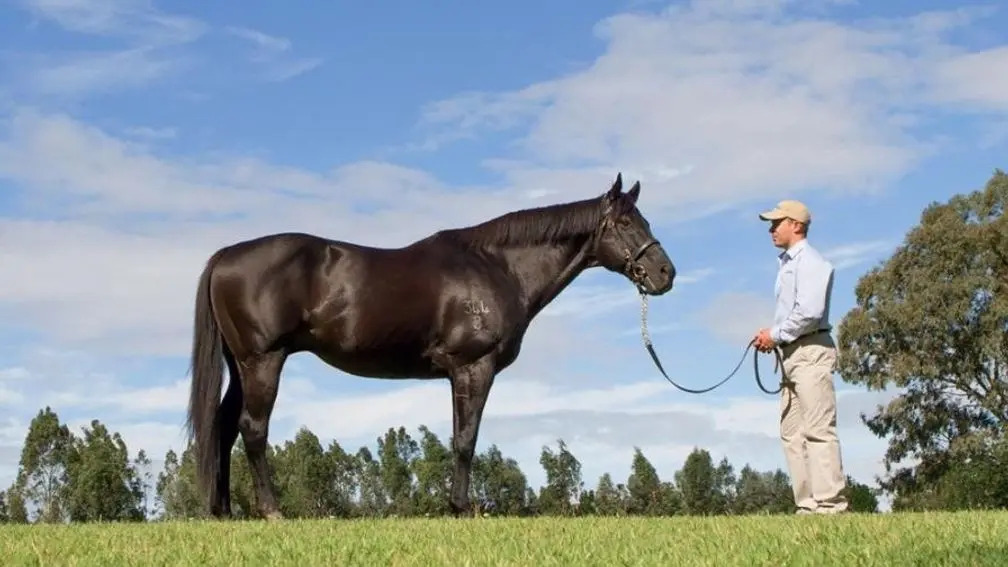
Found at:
<point>176,486</point>
<point>499,483</point>
<point>932,323</point>
<point>432,470</point>
<point>42,473</point>
<point>609,499</point>
<point>644,485</point>
<point>102,484</point>
<point>563,481</point>
<point>757,491</point>
<point>304,474</point>
<point>706,489</point>
<point>397,450</point>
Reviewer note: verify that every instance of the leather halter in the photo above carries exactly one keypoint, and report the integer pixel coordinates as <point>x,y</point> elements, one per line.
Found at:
<point>632,267</point>
<point>631,262</point>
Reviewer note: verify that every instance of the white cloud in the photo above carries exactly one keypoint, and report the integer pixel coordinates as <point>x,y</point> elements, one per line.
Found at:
<point>682,92</point>
<point>136,19</point>
<point>9,397</point>
<point>590,300</point>
<point>972,79</point>
<point>127,291</point>
<point>55,155</point>
<point>857,253</point>
<point>694,276</point>
<point>100,72</point>
<point>149,133</point>
<point>734,99</point>
<point>128,401</point>
<point>272,54</point>
<point>16,373</point>
<point>150,39</point>
<point>264,42</point>
<point>12,434</point>
<point>736,316</point>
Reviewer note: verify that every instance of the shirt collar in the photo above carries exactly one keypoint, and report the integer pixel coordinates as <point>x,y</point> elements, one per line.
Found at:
<point>793,251</point>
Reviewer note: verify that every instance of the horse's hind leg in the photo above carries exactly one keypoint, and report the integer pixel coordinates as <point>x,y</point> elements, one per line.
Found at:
<point>227,422</point>
<point>260,377</point>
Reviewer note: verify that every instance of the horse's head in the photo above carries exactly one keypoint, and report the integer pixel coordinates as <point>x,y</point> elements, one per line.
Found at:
<point>624,242</point>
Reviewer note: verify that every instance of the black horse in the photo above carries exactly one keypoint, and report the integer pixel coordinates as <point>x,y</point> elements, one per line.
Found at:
<point>453,305</point>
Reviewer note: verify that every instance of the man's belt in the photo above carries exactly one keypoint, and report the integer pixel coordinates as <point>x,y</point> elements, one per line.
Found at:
<point>810,334</point>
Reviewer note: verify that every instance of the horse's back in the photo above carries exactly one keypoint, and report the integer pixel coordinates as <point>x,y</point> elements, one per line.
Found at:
<point>312,271</point>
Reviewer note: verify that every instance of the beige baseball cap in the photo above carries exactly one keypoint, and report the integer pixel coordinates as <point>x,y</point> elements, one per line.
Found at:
<point>788,209</point>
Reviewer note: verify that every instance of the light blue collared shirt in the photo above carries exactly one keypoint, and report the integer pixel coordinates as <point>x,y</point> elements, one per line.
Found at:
<point>803,289</point>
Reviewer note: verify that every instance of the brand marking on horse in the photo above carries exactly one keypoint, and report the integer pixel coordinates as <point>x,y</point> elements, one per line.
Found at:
<point>475,306</point>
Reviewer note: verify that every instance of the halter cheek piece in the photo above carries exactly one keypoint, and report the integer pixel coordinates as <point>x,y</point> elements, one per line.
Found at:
<point>631,260</point>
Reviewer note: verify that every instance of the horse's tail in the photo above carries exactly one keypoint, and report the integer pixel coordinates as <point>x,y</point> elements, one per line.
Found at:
<point>207,369</point>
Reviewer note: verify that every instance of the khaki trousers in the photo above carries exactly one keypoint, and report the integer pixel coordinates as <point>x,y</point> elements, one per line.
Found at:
<point>808,425</point>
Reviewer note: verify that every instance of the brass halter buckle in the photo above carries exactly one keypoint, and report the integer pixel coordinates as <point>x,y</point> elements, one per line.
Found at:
<point>632,266</point>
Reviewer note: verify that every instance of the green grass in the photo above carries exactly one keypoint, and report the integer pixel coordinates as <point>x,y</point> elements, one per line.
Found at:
<point>975,538</point>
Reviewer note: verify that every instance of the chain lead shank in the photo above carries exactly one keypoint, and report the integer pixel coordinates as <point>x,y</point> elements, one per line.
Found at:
<point>650,348</point>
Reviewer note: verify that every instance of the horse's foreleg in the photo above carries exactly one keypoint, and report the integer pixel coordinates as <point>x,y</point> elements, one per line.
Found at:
<point>470,386</point>
<point>260,380</point>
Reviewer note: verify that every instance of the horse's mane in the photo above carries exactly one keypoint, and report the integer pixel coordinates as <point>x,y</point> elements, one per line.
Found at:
<point>550,223</point>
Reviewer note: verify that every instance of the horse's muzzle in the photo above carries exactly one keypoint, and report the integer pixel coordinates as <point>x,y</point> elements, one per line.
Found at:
<point>652,284</point>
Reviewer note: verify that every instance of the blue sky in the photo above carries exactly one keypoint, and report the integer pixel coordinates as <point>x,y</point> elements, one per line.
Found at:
<point>137,137</point>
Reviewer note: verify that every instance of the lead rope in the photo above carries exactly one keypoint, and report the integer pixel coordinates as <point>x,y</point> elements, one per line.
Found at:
<point>650,348</point>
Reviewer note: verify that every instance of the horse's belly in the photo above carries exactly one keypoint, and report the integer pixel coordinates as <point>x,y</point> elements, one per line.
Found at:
<point>404,362</point>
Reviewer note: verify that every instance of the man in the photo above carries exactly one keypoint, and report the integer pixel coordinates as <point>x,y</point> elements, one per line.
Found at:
<point>801,330</point>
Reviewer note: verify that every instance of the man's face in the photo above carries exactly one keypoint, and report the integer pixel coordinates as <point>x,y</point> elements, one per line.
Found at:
<point>783,232</point>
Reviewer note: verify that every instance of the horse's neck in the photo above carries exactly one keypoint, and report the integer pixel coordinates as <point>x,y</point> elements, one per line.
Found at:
<point>544,270</point>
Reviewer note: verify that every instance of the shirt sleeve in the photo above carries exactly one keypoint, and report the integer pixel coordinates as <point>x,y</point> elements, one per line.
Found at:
<point>812,284</point>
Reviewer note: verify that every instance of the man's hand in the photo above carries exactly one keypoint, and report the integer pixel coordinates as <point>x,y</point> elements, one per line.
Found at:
<point>762,341</point>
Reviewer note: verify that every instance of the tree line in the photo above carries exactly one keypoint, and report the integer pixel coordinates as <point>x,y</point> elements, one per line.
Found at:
<point>64,477</point>
<point>930,322</point>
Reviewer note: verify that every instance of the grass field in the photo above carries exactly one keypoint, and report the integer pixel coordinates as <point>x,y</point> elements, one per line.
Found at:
<point>893,539</point>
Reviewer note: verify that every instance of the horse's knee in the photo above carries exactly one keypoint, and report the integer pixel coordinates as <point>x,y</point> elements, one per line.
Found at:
<point>253,431</point>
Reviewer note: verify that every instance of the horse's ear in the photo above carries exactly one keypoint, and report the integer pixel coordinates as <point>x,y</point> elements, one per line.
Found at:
<point>617,188</point>
<point>634,192</point>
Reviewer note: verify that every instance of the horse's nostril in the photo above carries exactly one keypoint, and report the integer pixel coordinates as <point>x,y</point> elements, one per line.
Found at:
<point>665,270</point>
